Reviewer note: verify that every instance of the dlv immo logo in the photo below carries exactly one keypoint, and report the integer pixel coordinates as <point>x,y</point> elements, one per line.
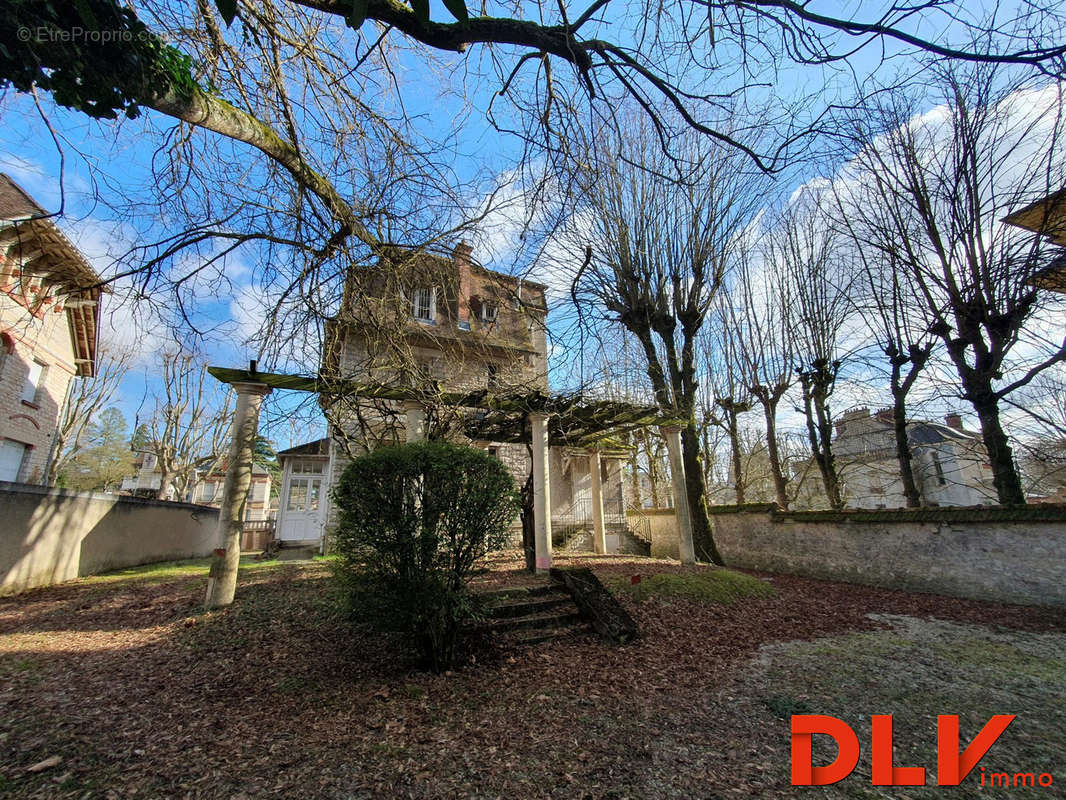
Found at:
<point>952,765</point>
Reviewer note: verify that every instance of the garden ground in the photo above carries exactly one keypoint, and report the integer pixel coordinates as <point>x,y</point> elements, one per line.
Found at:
<point>139,694</point>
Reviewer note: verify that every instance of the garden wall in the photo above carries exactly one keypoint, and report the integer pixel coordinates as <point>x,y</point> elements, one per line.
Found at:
<point>661,526</point>
<point>51,535</point>
<point>1009,555</point>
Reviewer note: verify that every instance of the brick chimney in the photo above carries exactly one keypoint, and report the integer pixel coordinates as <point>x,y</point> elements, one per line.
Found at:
<point>885,415</point>
<point>953,421</point>
<point>461,256</point>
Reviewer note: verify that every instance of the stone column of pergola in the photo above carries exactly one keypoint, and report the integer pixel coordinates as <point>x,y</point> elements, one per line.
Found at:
<point>542,507</point>
<point>223,577</point>
<point>416,421</point>
<point>685,548</point>
<point>599,538</point>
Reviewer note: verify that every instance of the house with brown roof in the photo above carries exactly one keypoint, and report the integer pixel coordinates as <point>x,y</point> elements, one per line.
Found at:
<point>49,331</point>
<point>440,323</point>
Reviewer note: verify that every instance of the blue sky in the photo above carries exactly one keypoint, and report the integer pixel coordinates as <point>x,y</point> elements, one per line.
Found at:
<point>117,155</point>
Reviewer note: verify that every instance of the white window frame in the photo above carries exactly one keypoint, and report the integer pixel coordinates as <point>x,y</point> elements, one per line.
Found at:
<point>419,294</point>
<point>486,317</point>
<point>34,379</point>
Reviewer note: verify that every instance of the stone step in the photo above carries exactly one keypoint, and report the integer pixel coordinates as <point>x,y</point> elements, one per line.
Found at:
<point>518,593</point>
<point>545,621</point>
<point>537,604</point>
<point>525,639</point>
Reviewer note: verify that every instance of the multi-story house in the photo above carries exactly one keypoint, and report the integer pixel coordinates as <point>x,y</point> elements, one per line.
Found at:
<point>440,324</point>
<point>49,330</point>
<point>950,463</point>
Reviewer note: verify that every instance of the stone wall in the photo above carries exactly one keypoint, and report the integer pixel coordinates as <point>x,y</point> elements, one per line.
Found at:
<point>52,535</point>
<point>660,525</point>
<point>1008,555</point>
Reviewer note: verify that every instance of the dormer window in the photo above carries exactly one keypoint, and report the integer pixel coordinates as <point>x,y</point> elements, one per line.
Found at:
<point>424,304</point>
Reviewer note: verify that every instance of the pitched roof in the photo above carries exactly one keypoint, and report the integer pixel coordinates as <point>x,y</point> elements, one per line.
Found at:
<point>60,264</point>
<point>319,447</point>
<point>15,203</point>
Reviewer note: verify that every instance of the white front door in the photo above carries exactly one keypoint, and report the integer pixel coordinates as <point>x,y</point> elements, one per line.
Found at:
<point>300,518</point>
<point>11,455</point>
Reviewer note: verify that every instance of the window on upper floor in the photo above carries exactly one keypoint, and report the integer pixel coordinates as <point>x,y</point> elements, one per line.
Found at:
<point>489,312</point>
<point>424,304</point>
<point>34,379</point>
<point>939,469</point>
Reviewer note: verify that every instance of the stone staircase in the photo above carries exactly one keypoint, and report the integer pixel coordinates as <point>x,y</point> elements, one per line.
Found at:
<point>525,616</point>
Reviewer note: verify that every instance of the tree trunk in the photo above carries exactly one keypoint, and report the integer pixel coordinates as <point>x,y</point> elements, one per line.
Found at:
<point>1004,471</point>
<point>738,465</point>
<point>529,530</point>
<point>903,451</point>
<point>702,532</point>
<point>653,471</point>
<point>773,453</point>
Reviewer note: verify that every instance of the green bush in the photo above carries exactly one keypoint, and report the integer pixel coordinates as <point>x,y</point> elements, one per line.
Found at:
<point>413,521</point>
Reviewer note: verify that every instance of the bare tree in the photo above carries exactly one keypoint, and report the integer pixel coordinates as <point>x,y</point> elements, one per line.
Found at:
<point>87,398</point>
<point>928,195</point>
<point>726,396</point>
<point>803,248</point>
<point>660,233</point>
<point>187,432</point>
<point>764,353</point>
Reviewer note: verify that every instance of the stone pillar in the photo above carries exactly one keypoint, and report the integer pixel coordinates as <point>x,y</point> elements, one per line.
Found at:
<point>542,507</point>
<point>416,421</point>
<point>685,548</point>
<point>599,536</point>
<point>222,581</point>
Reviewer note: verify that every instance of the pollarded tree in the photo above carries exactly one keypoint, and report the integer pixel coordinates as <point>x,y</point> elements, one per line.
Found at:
<point>764,351</point>
<point>189,428</point>
<point>660,234</point>
<point>801,247</point>
<point>928,194</point>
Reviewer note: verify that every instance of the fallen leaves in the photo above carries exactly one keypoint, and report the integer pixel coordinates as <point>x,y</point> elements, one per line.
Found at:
<point>279,695</point>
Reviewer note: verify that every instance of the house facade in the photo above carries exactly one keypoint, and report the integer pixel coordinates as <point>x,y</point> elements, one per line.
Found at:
<point>950,463</point>
<point>440,324</point>
<point>49,332</point>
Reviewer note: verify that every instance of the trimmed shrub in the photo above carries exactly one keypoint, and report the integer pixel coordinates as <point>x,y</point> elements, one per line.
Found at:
<point>413,521</point>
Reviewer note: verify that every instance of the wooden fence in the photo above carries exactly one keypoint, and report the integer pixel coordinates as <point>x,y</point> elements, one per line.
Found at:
<point>257,534</point>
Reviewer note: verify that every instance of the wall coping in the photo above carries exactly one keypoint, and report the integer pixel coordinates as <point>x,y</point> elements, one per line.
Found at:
<point>10,487</point>
<point>1038,512</point>
<point>649,512</point>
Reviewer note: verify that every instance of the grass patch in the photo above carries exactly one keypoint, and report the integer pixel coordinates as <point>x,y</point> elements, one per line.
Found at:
<point>172,570</point>
<point>711,586</point>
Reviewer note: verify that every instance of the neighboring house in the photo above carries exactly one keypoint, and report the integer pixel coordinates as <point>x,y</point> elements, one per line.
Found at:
<point>950,463</point>
<point>146,479</point>
<point>206,489</point>
<point>1046,217</point>
<point>49,331</point>
<point>457,327</point>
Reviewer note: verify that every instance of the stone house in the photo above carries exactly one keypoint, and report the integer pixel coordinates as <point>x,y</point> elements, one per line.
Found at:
<point>950,463</point>
<point>49,331</point>
<point>444,324</point>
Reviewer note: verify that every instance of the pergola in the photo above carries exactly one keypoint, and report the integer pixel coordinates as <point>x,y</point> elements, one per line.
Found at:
<point>553,420</point>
